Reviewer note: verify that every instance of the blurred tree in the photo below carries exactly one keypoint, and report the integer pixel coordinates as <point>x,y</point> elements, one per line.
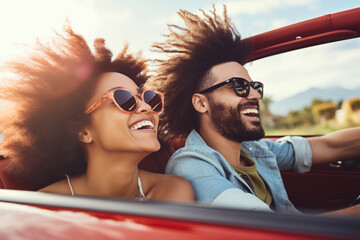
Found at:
<point>265,105</point>
<point>354,104</point>
<point>266,116</point>
<point>307,117</point>
<point>340,103</point>
<point>325,111</point>
<point>316,101</point>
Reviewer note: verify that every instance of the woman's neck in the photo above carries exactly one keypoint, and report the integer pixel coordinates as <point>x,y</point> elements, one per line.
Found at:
<point>113,174</point>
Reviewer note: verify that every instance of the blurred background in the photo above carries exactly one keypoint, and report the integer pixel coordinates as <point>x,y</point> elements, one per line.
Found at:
<point>310,91</point>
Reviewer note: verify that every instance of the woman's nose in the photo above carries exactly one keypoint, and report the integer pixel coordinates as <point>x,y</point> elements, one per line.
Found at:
<point>143,106</point>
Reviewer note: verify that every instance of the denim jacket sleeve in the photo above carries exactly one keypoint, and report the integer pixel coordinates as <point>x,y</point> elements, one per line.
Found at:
<point>292,153</point>
<point>209,181</point>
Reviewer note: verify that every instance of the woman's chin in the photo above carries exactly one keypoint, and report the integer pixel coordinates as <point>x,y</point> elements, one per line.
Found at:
<point>156,147</point>
<point>151,147</point>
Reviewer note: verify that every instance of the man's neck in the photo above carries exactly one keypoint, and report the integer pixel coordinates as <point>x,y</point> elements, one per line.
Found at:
<point>229,149</point>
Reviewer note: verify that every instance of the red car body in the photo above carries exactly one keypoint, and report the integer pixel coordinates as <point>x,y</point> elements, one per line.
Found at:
<point>34,215</point>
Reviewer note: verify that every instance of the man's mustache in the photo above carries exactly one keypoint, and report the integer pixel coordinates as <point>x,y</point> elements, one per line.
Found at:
<point>250,103</point>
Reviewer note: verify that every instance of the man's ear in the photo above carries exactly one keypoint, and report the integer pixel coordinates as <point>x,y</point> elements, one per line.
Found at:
<point>200,102</point>
<point>84,136</point>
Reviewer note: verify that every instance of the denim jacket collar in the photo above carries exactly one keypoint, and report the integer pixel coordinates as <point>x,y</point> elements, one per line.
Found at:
<point>194,139</point>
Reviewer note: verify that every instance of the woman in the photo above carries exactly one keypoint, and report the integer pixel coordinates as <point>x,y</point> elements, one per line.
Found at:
<point>78,123</point>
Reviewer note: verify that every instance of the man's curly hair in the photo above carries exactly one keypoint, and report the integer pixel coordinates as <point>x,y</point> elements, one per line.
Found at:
<point>192,51</point>
<point>46,97</point>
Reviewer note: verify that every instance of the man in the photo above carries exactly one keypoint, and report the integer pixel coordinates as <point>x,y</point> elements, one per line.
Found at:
<point>211,98</point>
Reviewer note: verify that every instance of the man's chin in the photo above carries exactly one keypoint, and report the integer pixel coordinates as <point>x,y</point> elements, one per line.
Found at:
<point>255,133</point>
<point>256,124</point>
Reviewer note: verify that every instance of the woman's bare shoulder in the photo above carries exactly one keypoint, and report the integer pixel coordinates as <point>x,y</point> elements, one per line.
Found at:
<point>168,187</point>
<point>61,187</point>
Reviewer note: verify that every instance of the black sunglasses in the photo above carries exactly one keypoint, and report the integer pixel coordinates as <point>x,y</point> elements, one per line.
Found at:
<point>241,86</point>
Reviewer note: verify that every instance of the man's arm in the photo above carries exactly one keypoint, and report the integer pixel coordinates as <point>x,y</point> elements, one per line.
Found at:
<point>350,211</point>
<point>338,145</point>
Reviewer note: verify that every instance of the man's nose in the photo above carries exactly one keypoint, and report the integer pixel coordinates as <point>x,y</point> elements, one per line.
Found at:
<point>253,94</point>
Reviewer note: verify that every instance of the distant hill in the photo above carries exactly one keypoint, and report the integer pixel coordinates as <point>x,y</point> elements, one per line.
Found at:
<point>298,101</point>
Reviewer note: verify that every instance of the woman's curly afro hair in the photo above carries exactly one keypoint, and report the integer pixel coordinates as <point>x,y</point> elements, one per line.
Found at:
<point>46,94</point>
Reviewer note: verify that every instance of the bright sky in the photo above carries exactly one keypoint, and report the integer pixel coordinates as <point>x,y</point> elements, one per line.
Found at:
<point>141,22</point>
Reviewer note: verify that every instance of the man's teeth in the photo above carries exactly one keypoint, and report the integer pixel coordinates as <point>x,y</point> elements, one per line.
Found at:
<point>250,111</point>
<point>142,124</point>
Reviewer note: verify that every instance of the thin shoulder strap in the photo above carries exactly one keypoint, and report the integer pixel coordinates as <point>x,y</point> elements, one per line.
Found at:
<point>71,189</point>
<point>140,188</point>
<point>139,185</point>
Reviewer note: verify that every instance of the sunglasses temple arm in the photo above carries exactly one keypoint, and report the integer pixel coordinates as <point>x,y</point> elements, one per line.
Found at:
<point>95,105</point>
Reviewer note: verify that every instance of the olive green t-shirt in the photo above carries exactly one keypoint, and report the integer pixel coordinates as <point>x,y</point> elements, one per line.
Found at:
<point>252,177</point>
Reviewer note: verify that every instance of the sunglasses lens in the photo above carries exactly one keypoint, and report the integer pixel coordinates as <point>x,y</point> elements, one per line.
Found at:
<point>125,100</point>
<point>259,87</point>
<point>241,87</point>
<point>241,92</point>
<point>154,100</point>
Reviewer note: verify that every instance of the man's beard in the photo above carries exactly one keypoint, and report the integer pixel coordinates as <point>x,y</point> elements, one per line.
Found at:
<point>228,122</point>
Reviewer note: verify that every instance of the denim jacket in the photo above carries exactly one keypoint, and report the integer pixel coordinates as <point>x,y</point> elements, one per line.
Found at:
<point>216,182</point>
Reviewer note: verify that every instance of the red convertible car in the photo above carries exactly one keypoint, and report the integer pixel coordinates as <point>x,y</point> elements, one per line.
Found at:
<point>33,215</point>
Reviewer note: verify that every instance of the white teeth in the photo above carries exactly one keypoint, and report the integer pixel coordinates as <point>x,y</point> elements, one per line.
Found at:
<point>249,111</point>
<point>142,124</point>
